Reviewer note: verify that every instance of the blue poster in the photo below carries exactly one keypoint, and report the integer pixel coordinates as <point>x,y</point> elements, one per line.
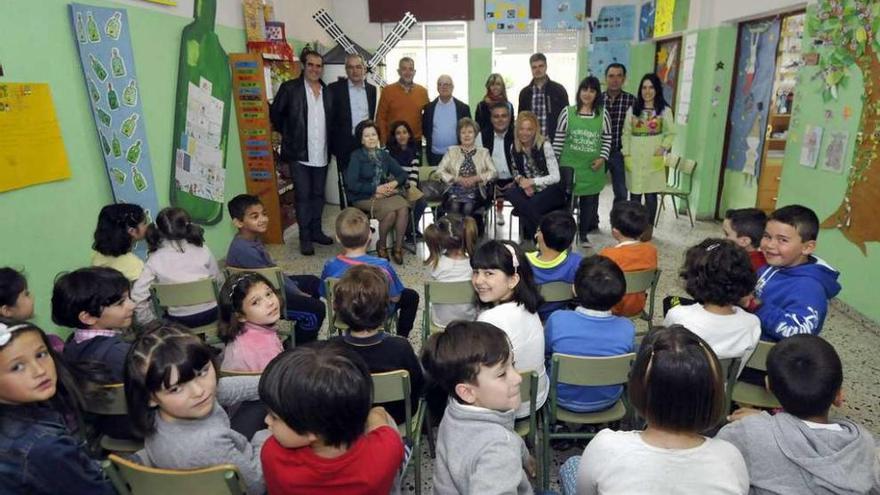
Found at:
<point>563,14</point>
<point>511,16</point>
<point>102,38</point>
<point>615,23</point>
<point>753,84</point>
<point>607,52</point>
<point>646,21</point>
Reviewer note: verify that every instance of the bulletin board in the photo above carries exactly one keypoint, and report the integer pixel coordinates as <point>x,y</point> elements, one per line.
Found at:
<point>31,148</point>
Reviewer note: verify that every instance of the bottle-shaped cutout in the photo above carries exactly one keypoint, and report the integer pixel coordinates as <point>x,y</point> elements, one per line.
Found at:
<point>202,57</point>
<point>129,125</point>
<point>130,94</point>
<point>133,153</point>
<point>113,26</point>
<point>138,179</point>
<point>92,28</point>
<point>98,68</point>
<point>112,98</point>
<point>117,65</point>
<point>93,91</point>
<point>118,175</point>
<point>116,146</point>
<point>104,144</point>
<point>80,29</point>
<point>104,117</point>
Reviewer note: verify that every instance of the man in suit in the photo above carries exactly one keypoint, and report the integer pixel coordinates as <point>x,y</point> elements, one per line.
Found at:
<point>301,113</point>
<point>440,120</point>
<point>354,100</point>
<point>498,139</point>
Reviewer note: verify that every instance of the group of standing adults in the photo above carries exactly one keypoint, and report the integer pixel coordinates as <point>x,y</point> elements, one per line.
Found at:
<point>482,160</point>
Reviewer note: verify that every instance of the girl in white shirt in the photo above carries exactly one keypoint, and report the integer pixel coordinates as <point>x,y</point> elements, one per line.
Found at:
<point>177,254</point>
<point>717,274</point>
<point>509,299</point>
<point>451,242</point>
<point>676,385</point>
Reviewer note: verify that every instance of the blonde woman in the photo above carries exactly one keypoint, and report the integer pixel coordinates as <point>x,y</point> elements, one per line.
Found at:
<point>496,92</point>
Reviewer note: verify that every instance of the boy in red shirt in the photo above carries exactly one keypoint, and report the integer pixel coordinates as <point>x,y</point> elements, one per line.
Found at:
<point>745,227</point>
<point>629,221</point>
<point>326,438</point>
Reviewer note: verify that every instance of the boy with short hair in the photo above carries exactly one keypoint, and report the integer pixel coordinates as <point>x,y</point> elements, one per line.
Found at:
<point>326,438</point>
<point>477,449</point>
<point>247,251</point>
<point>745,227</point>
<point>554,261</point>
<point>629,221</point>
<point>591,330</point>
<point>353,233</point>
<point>793,289</point>
<point>802,450</point>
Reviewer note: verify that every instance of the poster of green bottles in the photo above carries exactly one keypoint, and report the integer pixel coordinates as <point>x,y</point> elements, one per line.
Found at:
<point>102,38</point>
<point>201,118</point>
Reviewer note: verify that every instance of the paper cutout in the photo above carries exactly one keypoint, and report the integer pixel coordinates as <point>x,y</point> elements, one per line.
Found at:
<point>615,23</point>
<point>507,16</point>
<point>835,153</point>
<point>810,148</point>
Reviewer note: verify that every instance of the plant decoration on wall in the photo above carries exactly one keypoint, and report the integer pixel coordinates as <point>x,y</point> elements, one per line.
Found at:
<point>848,28</point>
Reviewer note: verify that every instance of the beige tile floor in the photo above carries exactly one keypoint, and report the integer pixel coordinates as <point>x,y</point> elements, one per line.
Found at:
<point>856,338</point>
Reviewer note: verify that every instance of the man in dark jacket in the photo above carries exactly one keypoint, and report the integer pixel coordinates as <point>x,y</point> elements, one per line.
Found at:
<point>543,97</point>
<point>354,100</point>
<point>440,120</point>
<point>302,113</point>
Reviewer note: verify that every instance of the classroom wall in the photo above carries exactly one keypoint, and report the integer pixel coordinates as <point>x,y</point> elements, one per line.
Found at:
<point>48,228</point>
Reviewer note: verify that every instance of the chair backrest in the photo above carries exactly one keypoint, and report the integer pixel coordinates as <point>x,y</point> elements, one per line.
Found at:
<point>591,371</point>
<point>393,386</point>
<point>185,293</point>
<point>224,373</point>
<point>528,389</point>
<point>641,281</point>
<point>758,360</point>
<point>329,284</point>
<point>130,478</point>
<point>106,400</point>
<point>437,292</point>
<point>556,292</point>
<point>687,166</point>
<point>426,172</point>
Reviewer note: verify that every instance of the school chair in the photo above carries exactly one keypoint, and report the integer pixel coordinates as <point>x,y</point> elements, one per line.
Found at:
<point>581,371</point>
<point>225,373</point>
<point>679,188</point>
<point>334,323</point>
<point>730,372</point>
<point>187,294</point>
<point>109,400</point>
<point>131,478</point>
<point>756,395</point>
<point>527,428</point>
<point>644,281</point>
<point>556,292</point>
<point>276,277</point>
<point>393,386</point>
<point>437,292</point>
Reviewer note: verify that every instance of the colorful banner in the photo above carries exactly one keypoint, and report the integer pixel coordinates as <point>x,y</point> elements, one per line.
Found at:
<point>563,14</point>
<point>646,21</point>
<point>607,52</point>
<point>663,17</point>
<point>102,38</point>
<point>31,148</point>
<point>615,23</point>
<point>511,16</point>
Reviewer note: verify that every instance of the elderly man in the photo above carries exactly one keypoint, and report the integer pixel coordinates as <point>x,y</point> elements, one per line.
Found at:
<point>544,97</point>
<point>498,139</point>
<point>301,113</point>
<point>354,100</point>
<point>440,120</point>
<point>403,100</point>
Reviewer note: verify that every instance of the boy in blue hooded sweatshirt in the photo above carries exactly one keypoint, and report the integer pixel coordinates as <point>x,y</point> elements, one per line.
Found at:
<point>793,289</point>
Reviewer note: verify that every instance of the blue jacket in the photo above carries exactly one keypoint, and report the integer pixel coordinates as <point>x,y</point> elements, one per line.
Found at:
<point>794,300</point>
<point>38,455</point>
<point>359,183</point>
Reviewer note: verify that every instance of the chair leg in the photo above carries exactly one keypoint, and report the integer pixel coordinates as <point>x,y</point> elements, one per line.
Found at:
<point>687,203</point>
<point>674,207</point>
<point>417,446</point>
<point>545,452</point>
<point>432,448</point>
<point>660,208</point>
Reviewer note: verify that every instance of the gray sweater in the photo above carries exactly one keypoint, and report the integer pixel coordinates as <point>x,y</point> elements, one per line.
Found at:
<point>785,455</point>
<point>479,453</point>
<point>196,443</point>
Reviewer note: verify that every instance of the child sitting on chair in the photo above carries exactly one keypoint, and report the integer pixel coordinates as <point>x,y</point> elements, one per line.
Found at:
<point>629,220</point>
<point>554,261</point>
<point>745,227</point>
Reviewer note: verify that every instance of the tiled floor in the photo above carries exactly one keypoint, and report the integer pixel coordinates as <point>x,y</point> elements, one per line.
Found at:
<point>856,338</point>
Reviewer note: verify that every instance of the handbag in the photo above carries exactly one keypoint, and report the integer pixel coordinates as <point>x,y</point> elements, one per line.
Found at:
<point>412,193</point>
<point>374,229</point>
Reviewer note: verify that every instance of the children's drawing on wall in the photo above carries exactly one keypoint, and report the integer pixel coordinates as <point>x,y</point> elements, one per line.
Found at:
<point>810,148</point>
<point>835,153</point>
<point>614,23</point>
<point>563,14</point>
<point>646,21</point>
<point>666,67</point>
<point>752,90</point>
<point>507,16</point>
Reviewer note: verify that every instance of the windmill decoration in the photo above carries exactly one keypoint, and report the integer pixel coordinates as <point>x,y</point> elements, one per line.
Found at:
<point>332,29</point>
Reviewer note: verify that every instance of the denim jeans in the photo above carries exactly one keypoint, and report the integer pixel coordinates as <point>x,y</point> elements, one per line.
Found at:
<point>614,165</point>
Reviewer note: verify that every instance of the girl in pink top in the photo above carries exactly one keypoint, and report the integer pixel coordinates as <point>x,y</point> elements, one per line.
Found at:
<point>249,310</point>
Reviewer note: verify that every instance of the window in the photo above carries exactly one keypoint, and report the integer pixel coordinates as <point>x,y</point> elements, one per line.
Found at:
<point>511,51</point>
<point>437,48</point>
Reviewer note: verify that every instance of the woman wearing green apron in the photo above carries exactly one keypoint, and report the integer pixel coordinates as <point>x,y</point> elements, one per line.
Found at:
<point>583,142</point>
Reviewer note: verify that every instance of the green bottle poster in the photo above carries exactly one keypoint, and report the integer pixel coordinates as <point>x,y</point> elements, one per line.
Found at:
<point>201,119</point>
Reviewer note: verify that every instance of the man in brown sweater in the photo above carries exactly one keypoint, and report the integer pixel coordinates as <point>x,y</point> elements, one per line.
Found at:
<point>403,100</point>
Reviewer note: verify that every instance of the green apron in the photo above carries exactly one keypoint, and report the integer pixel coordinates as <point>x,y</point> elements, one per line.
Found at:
<point>583,144</point>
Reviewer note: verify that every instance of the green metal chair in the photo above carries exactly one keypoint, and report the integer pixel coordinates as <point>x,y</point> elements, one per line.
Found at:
<point>680,188</point>
<point>755,395</point>
<point>394,386</point>
<point>130,478</point>
<point>556,292</point>
<point>437,292</point>
<point>109,400</point>
<point>644,281</point>
<point>581,371</point>
<point>527,428</point>
<point>730,371</point>
<point>188,294</point>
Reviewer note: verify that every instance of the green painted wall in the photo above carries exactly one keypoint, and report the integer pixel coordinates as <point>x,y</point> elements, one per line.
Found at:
<point>479,68</point>
<point>48,228</point>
